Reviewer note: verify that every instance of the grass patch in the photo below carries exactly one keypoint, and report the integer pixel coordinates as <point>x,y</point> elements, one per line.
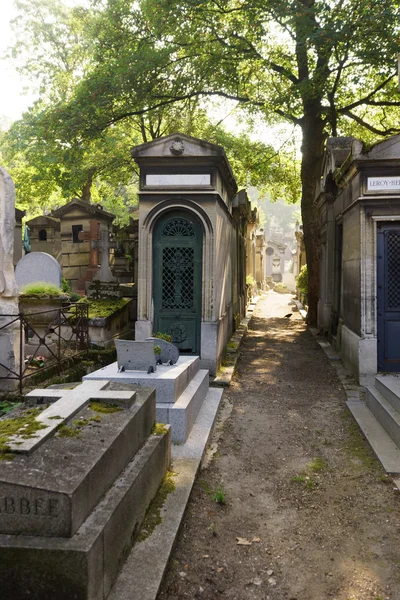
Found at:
<point>153,514</point>
<point>41,289</point>
<point>219,495</point>
<point>318,464</point>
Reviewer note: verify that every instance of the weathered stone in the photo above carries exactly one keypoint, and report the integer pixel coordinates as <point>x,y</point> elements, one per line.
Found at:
<point>135,356</point>
<point>51,491</point>
<point>169,352</point>
<point>38,266</point>
<point>10,336</point>
<point>85,566</point>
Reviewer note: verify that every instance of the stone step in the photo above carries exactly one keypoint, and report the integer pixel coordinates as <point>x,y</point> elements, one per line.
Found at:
<point>85,566</point>
<point>35,502</point>
<point>389,387</point>
<point>141,576</point>
<point>383,411</point>
<point>183,413</point>
<point>382,445</point>
<point>169,382</point>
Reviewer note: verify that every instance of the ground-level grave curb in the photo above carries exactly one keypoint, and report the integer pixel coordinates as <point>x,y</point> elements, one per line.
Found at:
<point>225,374</point>
<point>381,444</point>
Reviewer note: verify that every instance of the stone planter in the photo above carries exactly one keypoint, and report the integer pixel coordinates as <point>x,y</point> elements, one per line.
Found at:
<point>104,330</point>
<point>41,314</point>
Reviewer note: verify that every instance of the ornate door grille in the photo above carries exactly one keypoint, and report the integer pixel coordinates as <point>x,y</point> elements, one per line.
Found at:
<point>178,273</point>
<point>393,270</point>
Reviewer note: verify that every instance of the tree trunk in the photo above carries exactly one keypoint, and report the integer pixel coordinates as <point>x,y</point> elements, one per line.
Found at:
<point>312,153</point>
<point>87,186</point>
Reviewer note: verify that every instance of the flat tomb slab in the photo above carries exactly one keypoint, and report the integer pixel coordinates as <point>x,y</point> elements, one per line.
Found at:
<point>85,566</point>
<point>168,381</point>
<point>52,490</point>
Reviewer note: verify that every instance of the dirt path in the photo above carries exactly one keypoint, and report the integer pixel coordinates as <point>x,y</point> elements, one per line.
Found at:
<point>299,482</point>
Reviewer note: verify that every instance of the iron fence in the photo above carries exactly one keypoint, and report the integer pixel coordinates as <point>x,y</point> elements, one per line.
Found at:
<point>64,336</point>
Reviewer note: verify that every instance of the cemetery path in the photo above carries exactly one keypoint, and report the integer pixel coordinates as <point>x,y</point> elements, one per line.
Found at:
<point>308,513</point>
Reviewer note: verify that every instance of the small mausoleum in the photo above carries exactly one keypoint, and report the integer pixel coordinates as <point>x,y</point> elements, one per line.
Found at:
<point>192,245</point>
<point>359,206</point>
<point>75,217</point>
<point>45,236</point>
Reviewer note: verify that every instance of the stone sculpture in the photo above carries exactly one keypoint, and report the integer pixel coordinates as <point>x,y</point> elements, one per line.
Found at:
<point>9,334</point>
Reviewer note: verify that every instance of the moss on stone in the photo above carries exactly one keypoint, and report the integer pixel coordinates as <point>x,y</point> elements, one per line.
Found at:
<point>24,426</point>
<point>104,408</point>
<point>104,308</point>
<point>153,514</point>
<point>66,431</point>
<point>158,429</point>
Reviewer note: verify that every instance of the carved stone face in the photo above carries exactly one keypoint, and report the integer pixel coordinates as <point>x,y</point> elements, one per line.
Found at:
<point>177,147</point>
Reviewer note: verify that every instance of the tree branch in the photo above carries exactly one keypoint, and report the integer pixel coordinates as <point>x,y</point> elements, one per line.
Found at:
<point>357,119</point>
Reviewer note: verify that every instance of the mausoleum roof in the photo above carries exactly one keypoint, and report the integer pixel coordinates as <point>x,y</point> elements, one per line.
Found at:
<point>92,209</point>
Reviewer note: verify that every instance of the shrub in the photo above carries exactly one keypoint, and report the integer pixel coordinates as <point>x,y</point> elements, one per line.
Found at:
<point>65,286</point>
<point>302,280</point>
<point>163,336</point>
<point>41,289</point>
<point>250,280</point>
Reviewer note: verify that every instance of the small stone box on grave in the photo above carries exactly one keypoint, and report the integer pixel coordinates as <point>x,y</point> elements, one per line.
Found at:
<point>38,266</point>
<point>135,356</point>
<point>74,495</point>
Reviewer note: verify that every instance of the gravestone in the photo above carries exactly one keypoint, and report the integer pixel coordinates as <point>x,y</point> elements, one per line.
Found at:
<point>104,284</point>
<point>92,236</point>
<point>9,328</point>
<point>38,266</point>
<point>135,356</point>
<point>169,352</point>
<point>72,503</point>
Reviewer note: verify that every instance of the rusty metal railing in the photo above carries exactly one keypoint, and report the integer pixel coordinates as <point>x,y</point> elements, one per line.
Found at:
<point>66,335</point>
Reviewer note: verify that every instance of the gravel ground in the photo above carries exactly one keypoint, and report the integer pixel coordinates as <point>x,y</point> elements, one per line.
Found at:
<point>305,511</point>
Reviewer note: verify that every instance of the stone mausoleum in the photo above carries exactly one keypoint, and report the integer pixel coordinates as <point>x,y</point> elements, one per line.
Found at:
<point>192,245</point>
<point>359,205</point>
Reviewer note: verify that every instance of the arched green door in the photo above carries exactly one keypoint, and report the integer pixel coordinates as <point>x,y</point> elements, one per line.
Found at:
<point>177,272</point>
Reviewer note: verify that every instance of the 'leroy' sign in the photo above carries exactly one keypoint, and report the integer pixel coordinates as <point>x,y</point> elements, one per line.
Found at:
<point>376,184</point>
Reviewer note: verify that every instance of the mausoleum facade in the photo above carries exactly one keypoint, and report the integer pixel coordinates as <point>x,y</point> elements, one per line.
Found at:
<point>191,274</point>
<point>359,206</point>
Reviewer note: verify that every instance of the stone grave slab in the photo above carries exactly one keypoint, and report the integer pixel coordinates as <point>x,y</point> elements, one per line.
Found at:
<point>169,352</point>
<point>38,266</point>
<point>168,381</point>
<point>135,356</point>
<point>52,490</point>
<point>66,404</point>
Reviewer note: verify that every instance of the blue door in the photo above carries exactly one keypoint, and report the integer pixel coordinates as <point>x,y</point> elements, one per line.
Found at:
<point>388,296</point>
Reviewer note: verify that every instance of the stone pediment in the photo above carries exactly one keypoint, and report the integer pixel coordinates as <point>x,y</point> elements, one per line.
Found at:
<point>44,221</point>
<point>91,209</point>
<point>177,145</point>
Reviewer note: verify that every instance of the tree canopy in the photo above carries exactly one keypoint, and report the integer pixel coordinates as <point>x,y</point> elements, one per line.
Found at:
<point>326,66</point>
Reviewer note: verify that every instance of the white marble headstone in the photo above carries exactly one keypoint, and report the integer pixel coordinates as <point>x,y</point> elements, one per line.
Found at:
<point>38,266</point>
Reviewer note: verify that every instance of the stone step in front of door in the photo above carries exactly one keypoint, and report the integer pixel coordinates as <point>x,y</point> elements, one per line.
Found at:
<point>382,445</point>
<point>86,566</point>
<point>182,415</point>
<point>53,490</point>
<point>385,414</point>
<point>389,387</point>
<point>168,381</point>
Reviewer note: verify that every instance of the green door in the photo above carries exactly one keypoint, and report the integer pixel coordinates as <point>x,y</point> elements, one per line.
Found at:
<point>177,269</point>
